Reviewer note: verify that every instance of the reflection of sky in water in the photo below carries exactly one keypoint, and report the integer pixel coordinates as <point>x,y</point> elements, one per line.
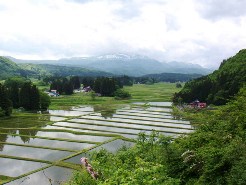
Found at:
<point>159,115</point>
<point>34,153</point>
<point>97,127</point>
<point>110,131</point>
<point>14,168</point>
<point>135,126</point>
<point>66,113</point>
<point>159,109</point>
<point>165,122</point>
<point>129,133</point>
<point>161,104</point>
<point>143,115</point>
<point>135,114</point>
<point>72,136</point>
<point>139,119</point>
<point>50,143</point>
<point>84,109</point>
<point>114,146</point>
<point>143,112</point>
<point>139,103</point>
<point>56,118</point>
<point>58,175</point>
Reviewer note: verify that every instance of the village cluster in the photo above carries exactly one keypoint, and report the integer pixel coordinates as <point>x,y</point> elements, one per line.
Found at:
<point>55,93</point>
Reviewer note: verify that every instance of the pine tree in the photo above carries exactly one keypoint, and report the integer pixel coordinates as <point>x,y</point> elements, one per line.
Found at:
<point>75,82</point>
<point>5,102</point>
<point>14,95</point>
<point>25,92</point>
<point>105,86</point>
<point>29,97</point>
<point>68,88</point>
<point>44,101</point>
<point>34,98</point>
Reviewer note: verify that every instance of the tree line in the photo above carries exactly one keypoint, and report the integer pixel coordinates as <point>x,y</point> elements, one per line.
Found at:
<point>106,86</point>
<point>19,92</point>
<point>65,85</point>
<point>5,102</point>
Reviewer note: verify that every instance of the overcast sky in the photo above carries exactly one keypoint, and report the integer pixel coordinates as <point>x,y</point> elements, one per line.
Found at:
<point>196,31</point>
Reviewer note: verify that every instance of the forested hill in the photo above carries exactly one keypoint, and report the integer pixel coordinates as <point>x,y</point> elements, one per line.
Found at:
<point>217,88</point>
<point>57,70</point>
<point>8,69</point>
<point>172,77</point>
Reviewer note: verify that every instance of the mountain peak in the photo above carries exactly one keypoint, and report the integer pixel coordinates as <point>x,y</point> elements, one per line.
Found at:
<point>121,56</point>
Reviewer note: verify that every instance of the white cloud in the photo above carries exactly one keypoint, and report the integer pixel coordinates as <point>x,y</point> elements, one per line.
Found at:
<point>185,30</point>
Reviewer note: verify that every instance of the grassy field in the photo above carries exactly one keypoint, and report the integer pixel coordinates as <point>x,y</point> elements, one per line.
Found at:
<point>140,93</point>
<point>156,92</point>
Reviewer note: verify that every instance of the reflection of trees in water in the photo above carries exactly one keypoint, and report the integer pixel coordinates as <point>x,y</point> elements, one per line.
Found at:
<point>4,134</point>
<point>26,121</point>
<point>3,138</point>
<point>28,134</point>
<point>106,111</point>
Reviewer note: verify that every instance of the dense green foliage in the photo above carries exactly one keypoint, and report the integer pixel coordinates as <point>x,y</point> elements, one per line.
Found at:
<point>75,82</point>
<point>20,92</point>
<point>214,154</point>
<point>218,146</point>
<point>65,85</point>
<point>105,86</point>
<point>170,77</point>
<point>122,94</point>
<point>29,97</point>
<point>218,87</point>
<point>178,85</point>
<point>5,103</point>
<point>44,101</point>
<point>15,81</point>
<point>125,80</point>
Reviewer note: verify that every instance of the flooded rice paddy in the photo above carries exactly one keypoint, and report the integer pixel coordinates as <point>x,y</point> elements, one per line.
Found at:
<point>46,147</point>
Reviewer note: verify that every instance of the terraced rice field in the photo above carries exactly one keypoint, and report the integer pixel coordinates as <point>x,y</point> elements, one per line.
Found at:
<point>49,150</point>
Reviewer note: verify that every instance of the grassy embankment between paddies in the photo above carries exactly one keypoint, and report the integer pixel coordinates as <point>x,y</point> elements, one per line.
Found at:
<point>214,154</point>
<point>157,92</point>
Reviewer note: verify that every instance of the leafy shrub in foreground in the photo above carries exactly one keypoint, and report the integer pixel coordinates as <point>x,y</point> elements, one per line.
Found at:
<point>214,154</point>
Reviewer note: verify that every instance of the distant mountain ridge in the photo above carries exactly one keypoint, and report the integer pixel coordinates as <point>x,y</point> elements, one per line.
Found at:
<point>57,70</point>
<point>123,64</point>
<point>8,68</point>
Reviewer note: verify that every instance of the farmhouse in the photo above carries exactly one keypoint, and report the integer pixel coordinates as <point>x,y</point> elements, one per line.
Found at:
<point>87,89</point>
<point>53,93</point>
<point>198,104</point>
